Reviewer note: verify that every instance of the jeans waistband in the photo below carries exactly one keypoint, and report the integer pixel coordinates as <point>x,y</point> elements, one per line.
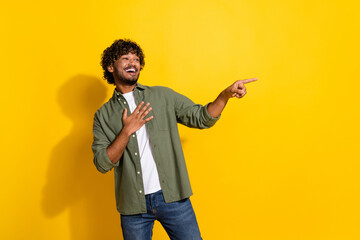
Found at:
<point>154,193</point>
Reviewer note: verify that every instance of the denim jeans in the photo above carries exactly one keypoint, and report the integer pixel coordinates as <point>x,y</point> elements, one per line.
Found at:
<point>177,218</point>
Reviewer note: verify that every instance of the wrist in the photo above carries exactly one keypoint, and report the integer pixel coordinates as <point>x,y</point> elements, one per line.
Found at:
<point>126,132</point>
<point>224,96</point>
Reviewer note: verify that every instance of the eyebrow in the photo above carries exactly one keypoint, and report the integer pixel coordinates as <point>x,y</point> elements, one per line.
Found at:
<point>128,56</point>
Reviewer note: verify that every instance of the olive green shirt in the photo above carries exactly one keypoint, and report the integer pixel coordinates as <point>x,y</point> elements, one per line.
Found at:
<point>168,109</point>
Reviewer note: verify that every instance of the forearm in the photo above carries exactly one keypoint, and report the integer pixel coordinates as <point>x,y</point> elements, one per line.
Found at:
<point>116,149</point>
<point>216,107</point>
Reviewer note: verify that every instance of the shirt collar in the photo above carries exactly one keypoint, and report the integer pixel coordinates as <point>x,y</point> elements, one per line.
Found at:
<point>118,94</point>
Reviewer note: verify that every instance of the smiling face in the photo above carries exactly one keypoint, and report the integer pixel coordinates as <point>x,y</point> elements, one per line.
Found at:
<point>126,70</point>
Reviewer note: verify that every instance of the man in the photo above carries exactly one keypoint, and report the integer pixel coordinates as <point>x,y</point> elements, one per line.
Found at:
<point>136,133</point>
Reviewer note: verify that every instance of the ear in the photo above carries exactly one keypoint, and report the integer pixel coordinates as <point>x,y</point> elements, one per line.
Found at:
<point>110,68</point>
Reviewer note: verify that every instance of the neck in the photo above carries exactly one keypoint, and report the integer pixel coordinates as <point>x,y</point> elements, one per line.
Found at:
<point>125,88</point>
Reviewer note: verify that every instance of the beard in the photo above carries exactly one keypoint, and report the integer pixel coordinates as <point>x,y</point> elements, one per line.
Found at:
<point>126,80</point>
<point>129,81</point>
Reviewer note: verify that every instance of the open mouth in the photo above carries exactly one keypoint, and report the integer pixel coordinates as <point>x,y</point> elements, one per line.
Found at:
<point>131,71</point>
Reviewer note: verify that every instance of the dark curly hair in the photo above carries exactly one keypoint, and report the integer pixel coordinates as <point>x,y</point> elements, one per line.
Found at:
<point>115,51</point>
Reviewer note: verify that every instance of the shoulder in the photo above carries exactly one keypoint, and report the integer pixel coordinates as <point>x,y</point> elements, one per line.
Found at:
<point>164,92</point>
<point>161,89</point>
<point>104,110</point>
<point>156,89</point>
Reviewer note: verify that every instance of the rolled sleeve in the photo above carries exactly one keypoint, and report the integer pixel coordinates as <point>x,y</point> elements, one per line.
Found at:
<point>208,119</point>
<point>99,147</point>
<point>102,161</point>
<point>191,114</point>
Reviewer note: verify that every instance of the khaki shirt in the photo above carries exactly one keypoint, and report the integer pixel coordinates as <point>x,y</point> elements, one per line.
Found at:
<point>168,109</point>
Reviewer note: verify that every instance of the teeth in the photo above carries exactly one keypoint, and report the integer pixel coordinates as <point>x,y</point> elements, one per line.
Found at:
<point>130,70</point>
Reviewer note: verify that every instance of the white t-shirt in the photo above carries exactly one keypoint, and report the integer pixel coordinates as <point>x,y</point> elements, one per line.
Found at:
<point>148,167</point>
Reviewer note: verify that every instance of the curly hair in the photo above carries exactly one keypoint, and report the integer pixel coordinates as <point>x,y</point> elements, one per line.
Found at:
<point>115,51</point>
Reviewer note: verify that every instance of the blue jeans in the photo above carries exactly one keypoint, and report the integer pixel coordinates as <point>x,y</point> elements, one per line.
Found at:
<point>177,218</point>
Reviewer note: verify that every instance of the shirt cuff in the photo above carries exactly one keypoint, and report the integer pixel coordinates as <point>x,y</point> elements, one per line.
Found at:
<point>208,118</point>
<point>105,162</point>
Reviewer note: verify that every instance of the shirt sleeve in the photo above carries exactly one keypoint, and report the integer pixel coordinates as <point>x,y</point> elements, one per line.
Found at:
<point>192,115</point>
<point>99,146</point>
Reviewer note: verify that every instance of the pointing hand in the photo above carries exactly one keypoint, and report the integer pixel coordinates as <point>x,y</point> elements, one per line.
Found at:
<point>238,88</point>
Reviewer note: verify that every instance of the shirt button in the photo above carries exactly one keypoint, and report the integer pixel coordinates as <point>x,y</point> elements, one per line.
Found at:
<point>140,191</point>
<point>138,172</point>
<point>124,102</point>
<point>133,135</point>
<point>135,154</point>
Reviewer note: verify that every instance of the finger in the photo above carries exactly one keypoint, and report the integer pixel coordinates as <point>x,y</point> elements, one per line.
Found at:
<point>248,80</point>
<point>146,112</point>
<point>148,119</point>
<point>138,107</point>
<point>143,109</point>
<point>240,86</point>
<point>243,94</point>
<point>240,94</point>
<point>239,90</point>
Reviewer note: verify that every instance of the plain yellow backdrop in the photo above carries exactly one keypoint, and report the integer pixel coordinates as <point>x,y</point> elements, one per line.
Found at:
<point>281,164</point>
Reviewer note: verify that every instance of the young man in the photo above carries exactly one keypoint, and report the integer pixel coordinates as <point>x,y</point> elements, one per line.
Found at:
<point>136,133</point>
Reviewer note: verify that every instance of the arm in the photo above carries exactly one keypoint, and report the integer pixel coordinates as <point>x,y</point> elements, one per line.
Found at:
<point>235,90</point>
<point>131,124</point>
<point>103,149</point>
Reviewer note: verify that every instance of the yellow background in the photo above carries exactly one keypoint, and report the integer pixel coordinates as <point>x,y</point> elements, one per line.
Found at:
<point>282,163</point>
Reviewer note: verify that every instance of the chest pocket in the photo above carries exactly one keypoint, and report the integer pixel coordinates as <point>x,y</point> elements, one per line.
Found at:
<point>164,117</point>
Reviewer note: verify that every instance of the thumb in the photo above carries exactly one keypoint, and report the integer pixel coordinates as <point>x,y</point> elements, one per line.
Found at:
<point>124,114</point>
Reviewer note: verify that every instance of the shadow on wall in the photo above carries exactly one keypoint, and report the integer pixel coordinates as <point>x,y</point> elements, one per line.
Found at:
<point>73,183</point>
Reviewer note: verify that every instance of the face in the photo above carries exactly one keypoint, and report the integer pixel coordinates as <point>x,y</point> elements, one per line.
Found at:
<point>126,69</point>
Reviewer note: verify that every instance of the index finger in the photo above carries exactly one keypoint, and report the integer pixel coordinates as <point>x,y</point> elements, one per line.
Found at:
<point>249,80</point>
